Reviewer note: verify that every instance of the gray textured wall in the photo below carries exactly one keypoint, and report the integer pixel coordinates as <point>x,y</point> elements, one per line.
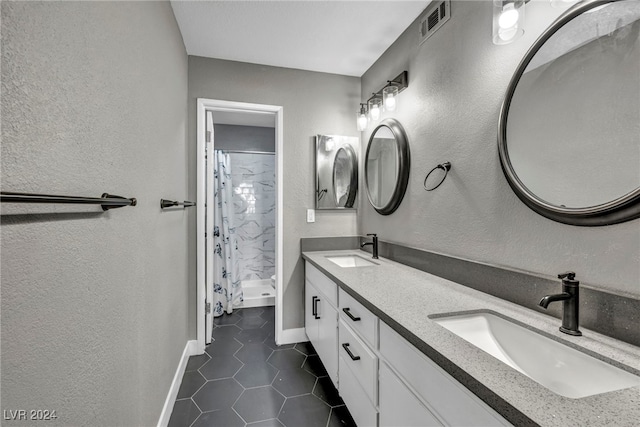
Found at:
<point>94,305</point>
<point>457,80</point>
<point>245,138</point>
<point>313,103</point>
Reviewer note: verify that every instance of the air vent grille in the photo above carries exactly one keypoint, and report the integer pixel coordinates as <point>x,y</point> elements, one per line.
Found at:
<point>433,18</point>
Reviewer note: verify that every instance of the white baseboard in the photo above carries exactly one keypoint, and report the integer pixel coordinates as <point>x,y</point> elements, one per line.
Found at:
<point>191,349</point>
<point>292,336</point>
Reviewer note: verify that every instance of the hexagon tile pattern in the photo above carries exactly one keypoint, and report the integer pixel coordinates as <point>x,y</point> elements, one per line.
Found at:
<point>245,378</point>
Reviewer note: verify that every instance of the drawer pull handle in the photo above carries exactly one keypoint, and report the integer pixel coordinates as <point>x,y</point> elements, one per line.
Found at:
<point>351,316</point>
<point>315,307</point>
<point>351,355</point>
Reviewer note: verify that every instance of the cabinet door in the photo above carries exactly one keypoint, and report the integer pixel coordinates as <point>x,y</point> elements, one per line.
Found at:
<point>310,321</point>
<point>327,346</point>
<point>399,406</point>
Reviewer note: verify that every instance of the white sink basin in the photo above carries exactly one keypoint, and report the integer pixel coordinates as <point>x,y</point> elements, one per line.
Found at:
<point>348,261</point>
<point>560,368</point>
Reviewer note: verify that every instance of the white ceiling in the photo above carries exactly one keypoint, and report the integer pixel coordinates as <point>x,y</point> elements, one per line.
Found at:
<point>340,37</point>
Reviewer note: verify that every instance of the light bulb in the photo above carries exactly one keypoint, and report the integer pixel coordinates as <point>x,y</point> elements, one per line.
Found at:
<point>389,94</point>
<point>375,112</point>
<point>509,17</point>
<point>362,121</point>
<point>390,103</point>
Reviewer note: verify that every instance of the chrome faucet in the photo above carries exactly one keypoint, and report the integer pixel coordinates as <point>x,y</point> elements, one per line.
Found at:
<point>570,298</point>
<point>373,243</point>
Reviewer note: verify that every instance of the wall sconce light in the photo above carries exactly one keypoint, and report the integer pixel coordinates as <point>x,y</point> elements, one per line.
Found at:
<point>508,20</point>
<point>385,97</point>
<point>361,118</point>
<point>375,107</point>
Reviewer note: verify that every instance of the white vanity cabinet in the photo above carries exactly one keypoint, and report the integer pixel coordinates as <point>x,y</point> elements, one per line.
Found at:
<point>427,387</point>
<point>383,379</point>
<point>321,318</point>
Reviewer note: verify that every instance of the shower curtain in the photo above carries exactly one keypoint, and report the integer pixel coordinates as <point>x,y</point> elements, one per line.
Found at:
<point>226,277</point>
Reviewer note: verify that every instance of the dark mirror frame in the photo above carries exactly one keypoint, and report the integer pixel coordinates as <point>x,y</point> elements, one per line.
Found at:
<point>404,164</point>
<point>622,209</point>
<point>353,176</point>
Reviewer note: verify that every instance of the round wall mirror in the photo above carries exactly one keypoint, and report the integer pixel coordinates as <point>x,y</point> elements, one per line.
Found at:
<point>345,177</point>
<point>387,166</point>
<point>569,130</point>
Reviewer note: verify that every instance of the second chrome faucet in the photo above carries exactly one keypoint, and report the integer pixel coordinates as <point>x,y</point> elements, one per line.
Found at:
<point>374,243</point>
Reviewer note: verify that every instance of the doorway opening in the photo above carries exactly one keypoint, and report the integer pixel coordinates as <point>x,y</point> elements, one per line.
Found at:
<point>249,136</point>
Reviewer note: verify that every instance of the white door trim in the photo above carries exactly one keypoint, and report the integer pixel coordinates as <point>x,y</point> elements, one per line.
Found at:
<point>203,105</point>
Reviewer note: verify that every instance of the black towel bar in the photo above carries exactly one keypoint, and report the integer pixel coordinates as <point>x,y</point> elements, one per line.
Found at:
<point>108,201</point>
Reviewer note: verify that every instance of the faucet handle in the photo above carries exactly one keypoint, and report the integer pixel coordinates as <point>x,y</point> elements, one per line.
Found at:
<point>569,275</point>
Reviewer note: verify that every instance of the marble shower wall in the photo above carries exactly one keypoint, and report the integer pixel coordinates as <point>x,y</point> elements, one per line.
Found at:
<point>254,204</point>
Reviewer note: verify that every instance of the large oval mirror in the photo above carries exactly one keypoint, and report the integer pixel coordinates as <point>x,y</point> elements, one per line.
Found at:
<point>569,131</point>
<point>387,166</point>
<point>345,177</point>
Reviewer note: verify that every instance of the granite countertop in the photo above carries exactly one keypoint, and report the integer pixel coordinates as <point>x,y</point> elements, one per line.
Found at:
<point>404,297</point>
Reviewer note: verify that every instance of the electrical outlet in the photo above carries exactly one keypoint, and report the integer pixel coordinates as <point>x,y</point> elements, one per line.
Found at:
<point>311,215</point>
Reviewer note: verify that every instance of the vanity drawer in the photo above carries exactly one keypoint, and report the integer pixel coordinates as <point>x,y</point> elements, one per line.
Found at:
<point>362,320</point>
<point>360,407</point>
<point>322,283</point>
<point>360,360</point>
<point>444,394</point>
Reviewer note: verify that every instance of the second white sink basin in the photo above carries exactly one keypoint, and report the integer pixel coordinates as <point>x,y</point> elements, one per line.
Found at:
<point>560,368</point>
<point>350,261</point>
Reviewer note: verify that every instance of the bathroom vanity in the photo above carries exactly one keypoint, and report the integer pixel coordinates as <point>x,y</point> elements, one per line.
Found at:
<point>379,338</point>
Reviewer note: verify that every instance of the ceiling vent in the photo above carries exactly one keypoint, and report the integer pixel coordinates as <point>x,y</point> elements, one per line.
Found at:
<point>433,18</point>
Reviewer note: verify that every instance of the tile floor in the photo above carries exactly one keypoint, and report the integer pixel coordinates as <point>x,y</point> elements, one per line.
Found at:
<point>245,379</point>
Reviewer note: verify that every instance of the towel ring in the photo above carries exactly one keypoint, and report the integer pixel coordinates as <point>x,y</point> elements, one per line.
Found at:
<point>446,167</point>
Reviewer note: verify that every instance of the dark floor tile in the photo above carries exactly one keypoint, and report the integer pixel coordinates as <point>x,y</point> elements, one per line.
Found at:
<point>294,382</point>
<point>191,382</point>
<point>326,391</point>
<point>223,346</point>
<point>197,361</point>
<point>256,374</point>
<point>228,331</point>
<point>271,342</point>
<point>259,404</point>
<point>314,365</point>
<point>184,413</point>
<point>253,352</point>
<point>306,348</point>
<point>226,319</point>
<point>306,410</point>
<point>268,423</point>
<point>220,367</point>
<point>287,359</point>
<point>250,322</point>
<point>224,417</point>
<point>270,325</point>
<point>340,417</point>
<point>251,311</point>
<point>252,335</point>
<point>216,395</point>
<point>269,313</point>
